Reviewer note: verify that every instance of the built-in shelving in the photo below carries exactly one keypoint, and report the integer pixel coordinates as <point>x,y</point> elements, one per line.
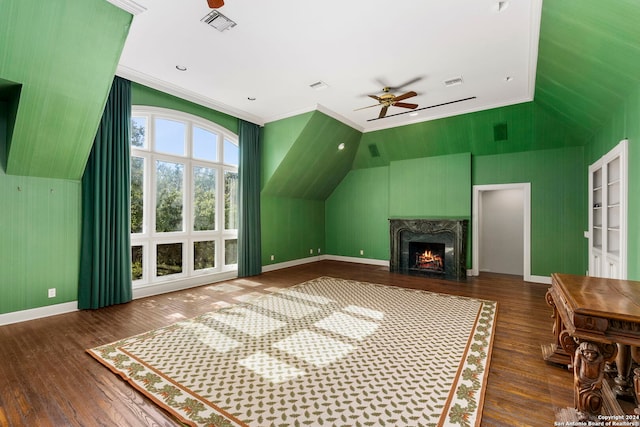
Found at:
<point>608,214</point>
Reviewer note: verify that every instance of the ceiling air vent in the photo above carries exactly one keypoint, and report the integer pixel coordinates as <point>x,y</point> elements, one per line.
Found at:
<point>453,82</point>
<point>218,21</point>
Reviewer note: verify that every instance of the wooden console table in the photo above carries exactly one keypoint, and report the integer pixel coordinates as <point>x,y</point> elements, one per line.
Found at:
<point>595,321</point>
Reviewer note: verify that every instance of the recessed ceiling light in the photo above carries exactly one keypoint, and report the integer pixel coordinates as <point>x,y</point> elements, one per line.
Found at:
<point>181,68</point>
<point>415,113</point>
<point>251,98</point>
<point>341,146</point>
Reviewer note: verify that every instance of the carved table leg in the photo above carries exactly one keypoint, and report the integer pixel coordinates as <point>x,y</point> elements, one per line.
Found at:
<point>623,388</point>
<point>557,351</point>
<point>588,372</point>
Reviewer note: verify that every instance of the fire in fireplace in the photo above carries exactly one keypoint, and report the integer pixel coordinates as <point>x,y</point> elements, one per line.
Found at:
<point>429,247</point>
<point>428,257</point>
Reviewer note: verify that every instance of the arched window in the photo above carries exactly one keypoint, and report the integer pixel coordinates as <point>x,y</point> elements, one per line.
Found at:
<point>184,197</point>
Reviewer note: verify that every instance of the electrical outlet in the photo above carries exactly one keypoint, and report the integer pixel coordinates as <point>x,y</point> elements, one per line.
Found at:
<point>273,257</point>
<point>51,292</point>
<point>318,251</point>
<point>311,251</point>
<point>361,251</point>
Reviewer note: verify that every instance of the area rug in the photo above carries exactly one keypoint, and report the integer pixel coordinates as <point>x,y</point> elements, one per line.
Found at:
<point>325,352</point>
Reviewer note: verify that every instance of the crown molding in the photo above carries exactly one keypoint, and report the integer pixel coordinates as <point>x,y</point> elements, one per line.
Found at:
<point>154,83</point>
<point>129,5</point>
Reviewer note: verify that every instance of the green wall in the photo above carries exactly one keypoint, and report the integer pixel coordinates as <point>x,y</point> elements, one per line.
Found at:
<point>357,211</point>
<point>558,206</point>
<point>624,122</point>
<point>64,54</point>
<point>40,244</point>
<point>357,215</point>
<point>433,187</point>
<point>291,228</point>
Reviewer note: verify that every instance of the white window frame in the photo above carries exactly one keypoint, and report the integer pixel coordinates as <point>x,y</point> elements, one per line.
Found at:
<point>149,239</point>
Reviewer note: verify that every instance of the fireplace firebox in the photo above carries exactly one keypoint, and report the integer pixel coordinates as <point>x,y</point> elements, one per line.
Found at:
<point>429,247</point>
<point>426,257</point>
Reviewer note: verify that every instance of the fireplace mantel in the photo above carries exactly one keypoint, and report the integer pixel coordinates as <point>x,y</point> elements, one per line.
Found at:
<point>450,232</point>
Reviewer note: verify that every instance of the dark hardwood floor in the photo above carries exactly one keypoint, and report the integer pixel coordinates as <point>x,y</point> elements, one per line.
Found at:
<point>47,378</point>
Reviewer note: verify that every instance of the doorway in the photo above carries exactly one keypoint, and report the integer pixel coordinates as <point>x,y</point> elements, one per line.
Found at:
<point>501,224</point>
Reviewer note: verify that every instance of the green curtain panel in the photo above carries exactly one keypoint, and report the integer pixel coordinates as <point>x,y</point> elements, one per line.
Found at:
<point>105,262</point>
<point>249,245</point>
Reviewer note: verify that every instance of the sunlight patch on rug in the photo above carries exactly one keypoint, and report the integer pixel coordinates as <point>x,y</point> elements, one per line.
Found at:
<point>326,352</point>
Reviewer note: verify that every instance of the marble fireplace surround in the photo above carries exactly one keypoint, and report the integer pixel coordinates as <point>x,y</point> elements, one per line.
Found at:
<point>450,232</point>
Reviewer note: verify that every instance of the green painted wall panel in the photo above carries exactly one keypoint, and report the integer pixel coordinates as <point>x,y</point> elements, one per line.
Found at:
<point>290,228</point>
<point>313,165</point>
<point>64,53</point>
<point>279,137</point>
<point>558,204</point>
<point>143,95</point>
<point>431,187</point>
<point>529,127</point>
<point>40,244</point>
<point>357,215</point>
<point>624,122</point>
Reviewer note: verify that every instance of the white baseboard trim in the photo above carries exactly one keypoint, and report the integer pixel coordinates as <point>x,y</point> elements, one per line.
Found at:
<point>540,279</point>
<point>381,262</point>
<point>292,263</point>
<point>38,313</point>
<point>295,262</point>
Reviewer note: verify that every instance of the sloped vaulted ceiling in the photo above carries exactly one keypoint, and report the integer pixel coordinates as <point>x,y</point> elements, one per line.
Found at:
<point>62,55</point>
<point>588,59</point>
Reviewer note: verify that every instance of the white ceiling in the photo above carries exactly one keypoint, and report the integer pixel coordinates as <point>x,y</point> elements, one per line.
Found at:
<point>280,47</point>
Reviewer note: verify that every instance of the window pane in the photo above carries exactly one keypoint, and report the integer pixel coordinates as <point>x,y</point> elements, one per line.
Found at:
<point>230,252</point>
<point>231,153</point>
<point>230,200</point>
<point>204,198</point>
<point>169,259</point>
<point>204,255</point>
<point>137,194</point>
<point>169,179</point>
<point>136,262</point>
<point>139,132</point>
<point>205,144</point>
<point>169,136</point>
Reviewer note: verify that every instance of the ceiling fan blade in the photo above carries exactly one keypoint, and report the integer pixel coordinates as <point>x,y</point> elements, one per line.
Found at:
<point>369,106</point>
<point>399,87</point>
<point>405,105</point>
<point>214,4</point>
<point>375,97</point>
<point>405,96</point>
<point>383,112</point>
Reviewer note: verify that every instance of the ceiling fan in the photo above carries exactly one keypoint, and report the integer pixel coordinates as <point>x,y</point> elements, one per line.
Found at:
<point>387,99</point>
<point>214,4</point>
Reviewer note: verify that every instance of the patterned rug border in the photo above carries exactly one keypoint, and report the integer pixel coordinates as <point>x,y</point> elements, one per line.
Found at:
<point>480,340</point>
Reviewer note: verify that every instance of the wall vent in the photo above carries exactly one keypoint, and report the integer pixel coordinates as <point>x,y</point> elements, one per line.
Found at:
<point>218,21</point>
<point>500,132</point>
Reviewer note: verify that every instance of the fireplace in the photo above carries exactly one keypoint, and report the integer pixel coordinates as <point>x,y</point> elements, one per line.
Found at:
<point>429,247</point>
